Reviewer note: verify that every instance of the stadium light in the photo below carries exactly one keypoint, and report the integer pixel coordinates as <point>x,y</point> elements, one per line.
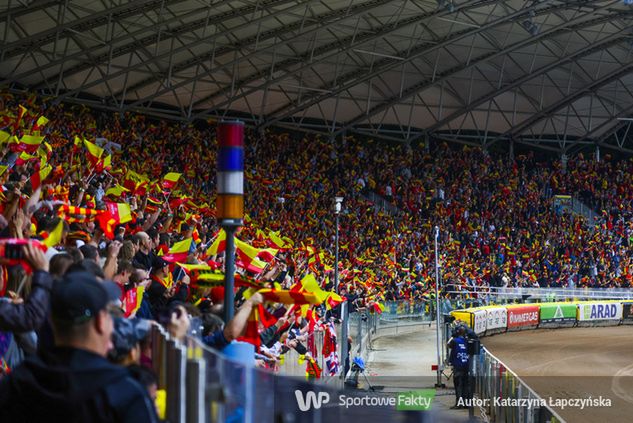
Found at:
<point>338,205</point>
<point>438,383</point>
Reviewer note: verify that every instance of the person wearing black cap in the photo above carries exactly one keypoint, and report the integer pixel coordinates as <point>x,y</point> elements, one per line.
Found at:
<point>126,339</point>
<point>163,290</point>
<point>74,382</point>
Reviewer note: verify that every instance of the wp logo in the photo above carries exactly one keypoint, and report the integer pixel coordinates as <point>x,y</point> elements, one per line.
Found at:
<point>311,399</point>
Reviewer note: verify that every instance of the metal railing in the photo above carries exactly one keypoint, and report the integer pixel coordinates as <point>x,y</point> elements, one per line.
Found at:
<point>487,295</point>
<point>582,209</point>
<point>381,204</point>
<point>509,399</point>
<point>363,327</point>
<point>204,386</point>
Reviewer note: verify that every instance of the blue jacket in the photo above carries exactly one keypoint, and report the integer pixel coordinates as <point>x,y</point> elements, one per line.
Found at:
<point>30,315</point>
<point>459,353</point>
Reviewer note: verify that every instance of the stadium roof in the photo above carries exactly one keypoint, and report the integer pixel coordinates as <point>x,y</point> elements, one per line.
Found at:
<point>552,74</point>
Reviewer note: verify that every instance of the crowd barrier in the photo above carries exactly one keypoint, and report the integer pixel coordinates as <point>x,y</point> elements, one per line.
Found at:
<point>469,296</point>
<point>492,379</point>
<point>204,386</point>
<point>363,326</point>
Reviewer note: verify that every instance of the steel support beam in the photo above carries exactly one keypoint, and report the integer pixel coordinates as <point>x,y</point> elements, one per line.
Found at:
<point>87,23</point>
<point>224,50</point>
<point>18,11</point>
<point>518,129</point>
<point>607,42</point>
<point>125,47</point>
<point>470,63</point>
<point>318,24</point>
<point>357,77</point>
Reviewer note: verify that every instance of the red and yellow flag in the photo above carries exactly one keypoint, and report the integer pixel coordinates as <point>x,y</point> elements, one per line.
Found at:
<point>114,214</point>
<point>171,180</point>
<point>28,143</point>
<point>288,297</point>
<point>42,170</point>
<point>251,333</point>
<point>179,251</point>
<point>218,245</point>
<point>94,152</point>
<point>55,237</point>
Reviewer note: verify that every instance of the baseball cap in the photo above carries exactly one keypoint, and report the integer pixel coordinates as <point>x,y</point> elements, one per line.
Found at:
<point>127,333</point>
<point>158,262</point>
<point>79,296</point>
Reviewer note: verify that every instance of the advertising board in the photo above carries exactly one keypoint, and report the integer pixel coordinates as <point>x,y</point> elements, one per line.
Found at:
<point>479,321</point>
<point>496,319</point>
<point>599,311</point>
<point>523,317</point>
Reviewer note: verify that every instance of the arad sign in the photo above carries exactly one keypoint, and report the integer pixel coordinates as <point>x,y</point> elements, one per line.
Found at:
<point>599,311</point>
<point>525,316</point>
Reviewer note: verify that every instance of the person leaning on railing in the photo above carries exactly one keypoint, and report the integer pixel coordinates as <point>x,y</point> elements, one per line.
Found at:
<point>176,320</point>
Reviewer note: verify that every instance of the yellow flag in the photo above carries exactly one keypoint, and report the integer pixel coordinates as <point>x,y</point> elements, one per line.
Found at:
<point>55,236</point>
<point>310,284</point>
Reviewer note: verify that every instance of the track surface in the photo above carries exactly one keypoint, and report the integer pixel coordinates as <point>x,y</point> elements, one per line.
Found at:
<point>574,363</point>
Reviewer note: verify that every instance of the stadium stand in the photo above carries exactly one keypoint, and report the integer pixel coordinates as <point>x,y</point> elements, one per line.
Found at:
<point>129,198</point>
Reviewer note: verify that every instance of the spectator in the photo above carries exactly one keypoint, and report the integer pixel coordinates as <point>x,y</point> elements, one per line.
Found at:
<point>22,317</point>
<point>75,380</point>
<point>126,341</point>
<point>163,290</point>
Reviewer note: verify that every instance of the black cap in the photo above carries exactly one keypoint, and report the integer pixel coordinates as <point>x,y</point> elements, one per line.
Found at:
<point>79,296</point>
<point>127,333</point>
<point>158,263</point>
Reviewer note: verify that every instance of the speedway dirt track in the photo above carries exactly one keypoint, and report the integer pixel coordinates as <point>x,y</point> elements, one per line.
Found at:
<point>574,363</point>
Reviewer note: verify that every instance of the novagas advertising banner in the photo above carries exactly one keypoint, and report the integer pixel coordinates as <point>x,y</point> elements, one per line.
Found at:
<point>557,313</point>
<point>523,317</point>
<point>497,318</point>
<point>599,311</point>
<point>479,319</point>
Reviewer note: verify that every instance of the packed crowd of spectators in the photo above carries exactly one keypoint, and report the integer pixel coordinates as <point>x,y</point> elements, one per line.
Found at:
<point>499,225</point>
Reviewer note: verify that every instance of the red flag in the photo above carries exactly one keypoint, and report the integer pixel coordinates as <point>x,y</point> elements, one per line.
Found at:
<point>251,334</point>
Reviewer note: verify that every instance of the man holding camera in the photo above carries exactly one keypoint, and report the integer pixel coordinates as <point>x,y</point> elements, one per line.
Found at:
<point>459,359</point>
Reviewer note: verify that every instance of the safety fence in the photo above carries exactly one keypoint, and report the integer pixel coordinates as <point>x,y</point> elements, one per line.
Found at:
<point>471,296</point>
<point>364,326</point>
<point>204,386</point>
<point>514,400</point>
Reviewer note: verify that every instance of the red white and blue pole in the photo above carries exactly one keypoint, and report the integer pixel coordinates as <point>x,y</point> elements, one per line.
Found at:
<point>230,200</point>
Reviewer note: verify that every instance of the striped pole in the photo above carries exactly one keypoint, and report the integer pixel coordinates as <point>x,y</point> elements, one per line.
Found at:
<point>230,200</point>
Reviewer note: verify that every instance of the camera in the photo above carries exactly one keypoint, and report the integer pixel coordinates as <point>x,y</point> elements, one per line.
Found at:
<point>473,346</point>
<point>12,251</point>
